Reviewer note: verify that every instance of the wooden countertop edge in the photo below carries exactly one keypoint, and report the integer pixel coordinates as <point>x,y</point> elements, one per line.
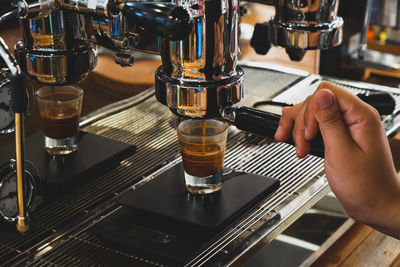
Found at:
<point>383,47</point>
<point>326,246</point>
<point>355,244</point>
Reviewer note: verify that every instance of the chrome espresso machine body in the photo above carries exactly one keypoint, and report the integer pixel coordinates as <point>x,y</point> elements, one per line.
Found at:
<point>61,37</point>
<point>197,40</point>
<point>200,77</point>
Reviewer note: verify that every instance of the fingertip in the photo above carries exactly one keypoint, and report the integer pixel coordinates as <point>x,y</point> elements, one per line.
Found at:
<point>284,129</point>
<point>278,134</point>
<point>285,109</point>
<point>302,150</point>
<point>282,133</point>
<point>300,154</point>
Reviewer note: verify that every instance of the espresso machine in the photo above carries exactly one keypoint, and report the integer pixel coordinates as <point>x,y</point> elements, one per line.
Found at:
<point>200,77</point>
<point>198,42</point>
<point>199,46</point>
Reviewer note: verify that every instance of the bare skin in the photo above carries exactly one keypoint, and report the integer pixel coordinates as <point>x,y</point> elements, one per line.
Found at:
<point>358,163</point>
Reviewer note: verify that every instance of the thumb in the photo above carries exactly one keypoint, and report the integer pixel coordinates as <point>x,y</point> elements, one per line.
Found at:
<point>330,119</point>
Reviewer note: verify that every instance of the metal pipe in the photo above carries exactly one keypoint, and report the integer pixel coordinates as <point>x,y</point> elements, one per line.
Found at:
<point>23,217</point>
<point>9,59</point>
<point>8,15</point>
<point>364,32</point>
<point>15,70</point>
<point>33,8</point>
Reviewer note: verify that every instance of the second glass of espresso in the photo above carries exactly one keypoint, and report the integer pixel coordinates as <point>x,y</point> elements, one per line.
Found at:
<point>60,110</point>
<point>202,145</point>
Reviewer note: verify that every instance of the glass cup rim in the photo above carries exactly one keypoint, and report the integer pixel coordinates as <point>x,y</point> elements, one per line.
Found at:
<point>224,124</point>
<point>73,87</point>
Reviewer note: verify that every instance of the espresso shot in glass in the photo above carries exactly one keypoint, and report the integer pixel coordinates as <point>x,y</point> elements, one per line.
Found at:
<point>60,110</point>
<point>202,145</point>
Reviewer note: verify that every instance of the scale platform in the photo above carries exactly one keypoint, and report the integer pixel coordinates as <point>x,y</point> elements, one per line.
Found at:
<point>162,218</point>
<point>60,175</point>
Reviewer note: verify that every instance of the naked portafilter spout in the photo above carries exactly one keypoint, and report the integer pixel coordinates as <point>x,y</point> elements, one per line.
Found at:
<point>199,77</point>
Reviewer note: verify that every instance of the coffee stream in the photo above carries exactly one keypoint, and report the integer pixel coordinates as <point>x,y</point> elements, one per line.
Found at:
<point>203,135</point>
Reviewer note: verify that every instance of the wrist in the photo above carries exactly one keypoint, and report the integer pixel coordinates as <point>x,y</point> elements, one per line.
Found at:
<point>394,216</point>
<point>388,216</point>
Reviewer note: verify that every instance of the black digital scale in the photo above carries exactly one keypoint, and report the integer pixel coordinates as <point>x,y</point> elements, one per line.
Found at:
<point>60,175</point>
<point>161,218</point>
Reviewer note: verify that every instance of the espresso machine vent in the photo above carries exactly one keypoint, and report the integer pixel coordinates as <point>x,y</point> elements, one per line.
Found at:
<point>61,234</point>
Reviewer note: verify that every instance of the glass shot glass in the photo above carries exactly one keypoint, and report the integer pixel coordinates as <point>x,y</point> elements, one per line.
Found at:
<point>60,109</point>
<point>202,145</point>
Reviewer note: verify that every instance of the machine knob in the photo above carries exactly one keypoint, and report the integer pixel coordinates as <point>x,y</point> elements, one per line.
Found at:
<point>260,40</point>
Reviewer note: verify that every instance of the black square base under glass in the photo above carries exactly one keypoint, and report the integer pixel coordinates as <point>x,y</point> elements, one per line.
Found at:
<point>60,175</point>
<point>161,218</point>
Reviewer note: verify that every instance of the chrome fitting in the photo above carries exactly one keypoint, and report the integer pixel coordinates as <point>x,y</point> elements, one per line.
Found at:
<point>229,114</point>
<point>124,59</point>
<point>121,42</point>
<point>36,9</point>
<point>305,36</point>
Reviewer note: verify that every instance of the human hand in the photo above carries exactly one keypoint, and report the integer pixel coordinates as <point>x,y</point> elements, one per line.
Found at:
<point>358,162</point>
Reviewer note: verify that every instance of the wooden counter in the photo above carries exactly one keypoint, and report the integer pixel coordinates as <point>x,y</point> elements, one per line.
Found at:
<point>354,245</point>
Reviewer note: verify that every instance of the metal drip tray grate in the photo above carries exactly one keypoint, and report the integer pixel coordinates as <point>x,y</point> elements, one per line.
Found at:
<point>59,234</point>
<point>246,152</point>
